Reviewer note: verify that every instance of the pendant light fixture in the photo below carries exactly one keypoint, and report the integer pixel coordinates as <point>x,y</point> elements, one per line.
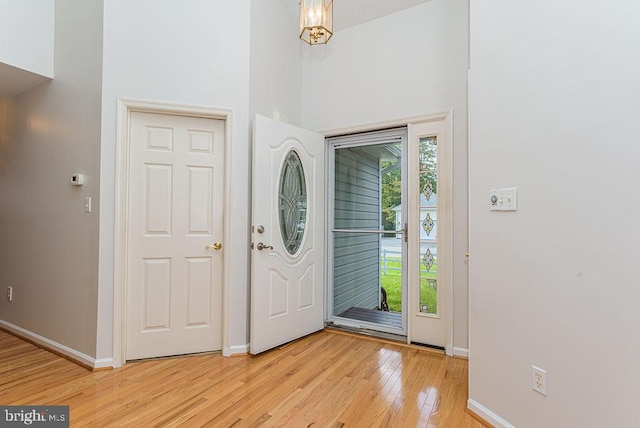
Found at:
<point>316,21</point>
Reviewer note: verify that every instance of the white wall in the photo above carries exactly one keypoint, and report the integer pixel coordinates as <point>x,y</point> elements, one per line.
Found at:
<point>555,111</point>
<point>49,246</point>
<point>410,63</point>
<point>194,53</point>
<point>276,60</point>
<point>26,35</point>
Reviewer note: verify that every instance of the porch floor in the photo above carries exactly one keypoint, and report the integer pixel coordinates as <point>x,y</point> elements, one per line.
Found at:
<point>393,319</point>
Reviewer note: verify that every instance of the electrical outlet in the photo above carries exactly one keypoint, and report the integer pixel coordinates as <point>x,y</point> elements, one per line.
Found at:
<point>10,294</point>
<point>539,380</point>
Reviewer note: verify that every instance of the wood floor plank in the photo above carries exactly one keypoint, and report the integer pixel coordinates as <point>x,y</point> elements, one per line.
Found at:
<point>323,386</point>
<point>323,380</point>
<point>403,411</point>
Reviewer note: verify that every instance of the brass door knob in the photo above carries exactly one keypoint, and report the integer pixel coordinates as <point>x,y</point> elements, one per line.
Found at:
<point>215,246</point>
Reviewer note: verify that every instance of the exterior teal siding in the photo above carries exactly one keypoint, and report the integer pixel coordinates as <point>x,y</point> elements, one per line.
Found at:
<point>356,206</point>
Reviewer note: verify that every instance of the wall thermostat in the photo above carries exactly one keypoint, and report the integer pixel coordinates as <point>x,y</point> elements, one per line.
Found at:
<point>494,200</point>
<point>77,179</point>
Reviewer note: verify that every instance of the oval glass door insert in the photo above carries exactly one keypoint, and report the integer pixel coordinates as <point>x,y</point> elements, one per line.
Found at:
<point>292,202</point>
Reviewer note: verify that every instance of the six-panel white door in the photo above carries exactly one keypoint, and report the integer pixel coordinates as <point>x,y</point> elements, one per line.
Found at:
<point>174,271</point>
<point>287,278</point>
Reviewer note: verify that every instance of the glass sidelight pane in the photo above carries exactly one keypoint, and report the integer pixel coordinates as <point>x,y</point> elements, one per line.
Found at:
<point>428,154</point>
<point>428,279</point>
<point>428,202</point>
<point>428,224</point>
<point>428,185</point>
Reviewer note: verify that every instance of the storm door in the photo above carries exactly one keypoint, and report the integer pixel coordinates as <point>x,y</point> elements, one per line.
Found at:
<point>367,231</point>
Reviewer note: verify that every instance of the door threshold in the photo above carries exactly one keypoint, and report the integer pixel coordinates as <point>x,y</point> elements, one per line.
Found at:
<point>426,345</point>
<point>368,332</point>
<point>353,332</point>
<point>168,357</point>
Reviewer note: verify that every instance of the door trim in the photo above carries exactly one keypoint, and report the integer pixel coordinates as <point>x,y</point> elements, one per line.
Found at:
<point>386,124</point>
<point>124,109</point>
<point>447,118</point>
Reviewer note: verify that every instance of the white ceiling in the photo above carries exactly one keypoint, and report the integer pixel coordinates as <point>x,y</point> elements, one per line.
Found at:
<point>347,13</point>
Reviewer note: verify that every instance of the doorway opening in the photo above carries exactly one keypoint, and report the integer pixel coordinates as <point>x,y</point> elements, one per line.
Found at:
<point>367,231</point>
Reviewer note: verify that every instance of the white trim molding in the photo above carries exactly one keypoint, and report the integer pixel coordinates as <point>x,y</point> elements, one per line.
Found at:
<point>393,123</point>
<point>125,108</point>
<point>83,359</point>
<point>487,414</point>
<point>460,352</point>
<point>229,351</point>
<point>102,363</point>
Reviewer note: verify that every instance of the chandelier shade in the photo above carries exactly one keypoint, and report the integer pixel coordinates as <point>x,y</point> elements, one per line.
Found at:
<point>316,21</point>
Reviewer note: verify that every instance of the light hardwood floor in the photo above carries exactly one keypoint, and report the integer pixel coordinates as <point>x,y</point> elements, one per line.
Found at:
<point>323,380</point>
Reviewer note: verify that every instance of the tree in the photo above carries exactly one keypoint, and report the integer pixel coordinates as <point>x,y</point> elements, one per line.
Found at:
<point>392,180</point>
<point>391,192</point>
<point>428,163</point>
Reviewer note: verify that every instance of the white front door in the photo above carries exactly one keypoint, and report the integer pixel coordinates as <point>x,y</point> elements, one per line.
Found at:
<point>174,263</point>
<point>287,263</point>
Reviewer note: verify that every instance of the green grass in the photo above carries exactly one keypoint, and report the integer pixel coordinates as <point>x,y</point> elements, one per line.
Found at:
<point>392,283</point>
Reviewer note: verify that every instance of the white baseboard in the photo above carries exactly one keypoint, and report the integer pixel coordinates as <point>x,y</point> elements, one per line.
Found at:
<point>448,350</point>
<point>228,351</point>
<point>81,358</point>
<point>460,352</point>
<point>102,363</point>
<point>487,414</point>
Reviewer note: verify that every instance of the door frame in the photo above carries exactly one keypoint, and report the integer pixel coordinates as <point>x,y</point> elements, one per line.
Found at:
<point>125,108</point>
<point>447,118</point>
<point>374,137</point>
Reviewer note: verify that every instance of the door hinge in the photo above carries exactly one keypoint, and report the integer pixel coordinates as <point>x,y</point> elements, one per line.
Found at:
<point>406,232</point>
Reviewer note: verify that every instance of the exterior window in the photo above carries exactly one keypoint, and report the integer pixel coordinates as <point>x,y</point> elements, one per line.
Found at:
<point>292,202</point>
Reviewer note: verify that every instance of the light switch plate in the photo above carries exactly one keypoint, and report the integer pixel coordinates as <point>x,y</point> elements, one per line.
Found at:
<point>509,199</point>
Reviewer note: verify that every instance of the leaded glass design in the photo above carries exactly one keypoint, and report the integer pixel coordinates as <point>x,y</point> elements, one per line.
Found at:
<point>292,202</point>
<point>428,184</point>
<point>427,224</point>
<point>427,190</point>
<point>427,260</point>
<point>429,214</point>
